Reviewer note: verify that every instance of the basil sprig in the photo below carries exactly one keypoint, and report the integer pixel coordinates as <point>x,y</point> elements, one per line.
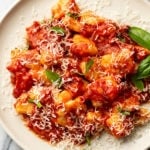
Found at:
<point>58,30</point>
<point>144,69</point>
<point>140,36</point>
<point>38,103</point>
<point>123,112</point>
<point>73,15</point>
<point>143,72</point>
<point>89,65</point>
<point>53,76</point>
<point>138,83</point>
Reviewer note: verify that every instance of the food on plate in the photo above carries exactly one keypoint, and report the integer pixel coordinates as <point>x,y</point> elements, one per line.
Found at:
<point>81,74</point>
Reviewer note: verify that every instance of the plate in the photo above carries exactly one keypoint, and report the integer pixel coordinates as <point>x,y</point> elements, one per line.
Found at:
<point>12,34</point>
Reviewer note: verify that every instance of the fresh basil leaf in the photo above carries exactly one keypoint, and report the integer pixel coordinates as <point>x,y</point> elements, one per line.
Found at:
<point>145,61</point>
<point>138,83</point>
<point>140,36</point>
<point>145,73</point>
<point>58,30</point>
<point>31,100</point>
<point>144,64</point>
<point>144,69</point>
<point>52,76</point>
<point>73,15</point>
<point>124,112</point>
<point>38,103</point>
<point>89,65</point>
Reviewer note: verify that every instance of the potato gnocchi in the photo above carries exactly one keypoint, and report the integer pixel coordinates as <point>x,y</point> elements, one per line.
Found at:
<point>75,79</point>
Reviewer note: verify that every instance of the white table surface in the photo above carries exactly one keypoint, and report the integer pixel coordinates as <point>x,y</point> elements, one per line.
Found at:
<point>6,143</point>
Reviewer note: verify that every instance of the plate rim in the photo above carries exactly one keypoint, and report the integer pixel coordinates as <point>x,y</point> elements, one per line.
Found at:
<point>2,124</point>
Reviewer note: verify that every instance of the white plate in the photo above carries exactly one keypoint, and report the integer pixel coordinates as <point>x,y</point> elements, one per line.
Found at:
<point>12,34</point>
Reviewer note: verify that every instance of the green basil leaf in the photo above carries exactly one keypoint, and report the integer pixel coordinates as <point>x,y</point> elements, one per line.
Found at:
<point>145,73</point>
<point>89,65</point>
<point>143,69</point>
<point>138,83</point>
<point>124,112</point>
<point>38,103</point>
<point>53,76</point>
<point>31,100</point>
<point>140,36</point>
<point>145,61</point>
<point>73,15</point>
<point>144,64</point>
<point>58,30</point>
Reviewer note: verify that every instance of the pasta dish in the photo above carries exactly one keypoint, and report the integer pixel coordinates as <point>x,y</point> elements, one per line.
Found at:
<point>81,74</point>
